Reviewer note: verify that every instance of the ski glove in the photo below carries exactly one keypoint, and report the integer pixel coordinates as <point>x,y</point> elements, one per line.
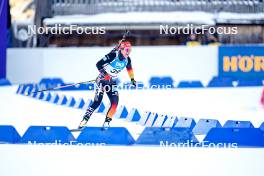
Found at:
<point>105,75</point>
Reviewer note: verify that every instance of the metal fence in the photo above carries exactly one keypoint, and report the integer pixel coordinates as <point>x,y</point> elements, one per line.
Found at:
<point>70,7</point>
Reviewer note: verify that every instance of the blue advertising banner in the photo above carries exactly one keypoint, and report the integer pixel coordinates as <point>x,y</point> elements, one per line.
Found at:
<point>241,62</point>
<point>3,39</point>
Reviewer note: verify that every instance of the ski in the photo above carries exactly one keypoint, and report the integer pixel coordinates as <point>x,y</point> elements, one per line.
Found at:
<point>103,128</point>
<point>76,129</point>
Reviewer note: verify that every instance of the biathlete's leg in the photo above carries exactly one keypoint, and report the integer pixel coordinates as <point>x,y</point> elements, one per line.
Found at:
<point>113,97</point>
<point>97,101</point>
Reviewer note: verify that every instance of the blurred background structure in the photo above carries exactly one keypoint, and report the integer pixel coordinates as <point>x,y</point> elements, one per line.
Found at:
<point>141,17</point>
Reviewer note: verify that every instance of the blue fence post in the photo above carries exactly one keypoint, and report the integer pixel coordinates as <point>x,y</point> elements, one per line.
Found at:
<point>3,36</point>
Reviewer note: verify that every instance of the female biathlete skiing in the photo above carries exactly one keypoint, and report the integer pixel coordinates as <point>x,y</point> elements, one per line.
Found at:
<point>109,67</point>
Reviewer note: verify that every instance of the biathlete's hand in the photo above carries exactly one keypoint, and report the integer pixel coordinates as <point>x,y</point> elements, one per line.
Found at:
<point>105,75</point>
<point>134,82</point>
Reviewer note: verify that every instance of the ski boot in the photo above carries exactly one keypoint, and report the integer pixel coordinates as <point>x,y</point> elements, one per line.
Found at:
<point>107,122</point>
<point>86,118</point>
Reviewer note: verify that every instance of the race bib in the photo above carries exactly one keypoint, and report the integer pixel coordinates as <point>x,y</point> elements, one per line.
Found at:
<point>115,67</point>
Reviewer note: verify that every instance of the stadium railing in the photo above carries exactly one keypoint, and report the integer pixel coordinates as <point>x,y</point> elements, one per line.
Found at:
<point>69,7</point>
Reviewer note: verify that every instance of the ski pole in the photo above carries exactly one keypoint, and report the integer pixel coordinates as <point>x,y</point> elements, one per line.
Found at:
<point>60,87</point>
<point>125,34</point>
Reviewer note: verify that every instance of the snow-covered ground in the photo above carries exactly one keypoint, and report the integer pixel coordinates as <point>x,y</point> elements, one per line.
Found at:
<point>25,160</point>
<point>212,103</point>
<point>216,103</point>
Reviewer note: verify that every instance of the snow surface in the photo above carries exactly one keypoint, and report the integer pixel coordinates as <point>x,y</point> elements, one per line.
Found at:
<point>25,160</point>
<point>195,17</point>
<point>212,103</point>
<point>217,103</point>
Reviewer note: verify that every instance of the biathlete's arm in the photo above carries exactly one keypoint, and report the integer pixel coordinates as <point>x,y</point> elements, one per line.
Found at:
<point>130,69</point>
<point>109,57</point>
<point>106,60</point>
